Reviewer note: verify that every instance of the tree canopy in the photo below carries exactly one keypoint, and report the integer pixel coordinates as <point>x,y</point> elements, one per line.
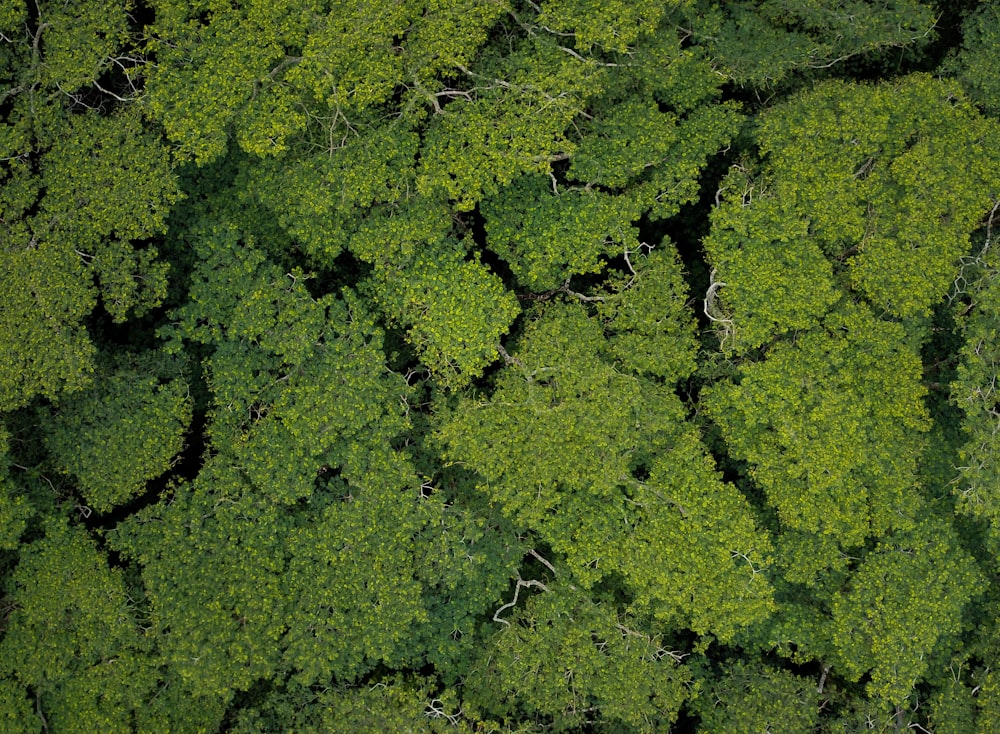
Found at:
<point>499,366</point>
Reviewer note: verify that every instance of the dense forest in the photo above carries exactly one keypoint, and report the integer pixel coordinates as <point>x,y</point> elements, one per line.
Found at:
<point>499,366</point>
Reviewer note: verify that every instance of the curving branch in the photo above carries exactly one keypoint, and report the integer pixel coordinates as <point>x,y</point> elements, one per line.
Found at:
<point>521,584</point>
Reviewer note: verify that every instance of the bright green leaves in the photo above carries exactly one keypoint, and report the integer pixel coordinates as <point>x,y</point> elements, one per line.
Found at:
<point>757,698</point>
<point>572,662</point>
<point>351,574</point>
<point>862,175</point>
<point>351,60</point>
<point>15,510</point>
<point>546,237</point>
<point>560,447</point>
<point>769,275</point>
<point>650,329</point>
<point>621,145</point>
<point>108,182</point>
<point>456,311</point>
<point>447,36</point>
<point>319,199</point>
<point>760,43</point>
<point>45,294</point>
<point>692,552</point>
<point>297,382</point>
<point>398,703</point>
<point>72,611</point>
<point>80,38</point>
<point>106,177</point>
<point>909,593</point>
<point>612,26</point>
<point>831,423</point>
<point>269,76</point>
<point>207,74</point>
<point>118,435</point>
<point>514,124</point>
<point>17,715</point>
<point>559,418</point>
<point>99,183</point>
<point>212,562</point>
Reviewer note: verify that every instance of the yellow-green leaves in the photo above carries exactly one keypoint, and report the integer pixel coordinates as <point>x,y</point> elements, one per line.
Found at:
<point>650,329</point>
<point>108,182</point>
<point>755,697</point>
<point>548,237</point>
<point>71,610</point>
<point>831,422</point>
<point>574,661</point>
<point>759,43</point>
<point>45,294</point>
<point>455,309</point>
<point>599,464</point>
<point>905,596</point>
<point>119,434</point>
<point>79,39</point>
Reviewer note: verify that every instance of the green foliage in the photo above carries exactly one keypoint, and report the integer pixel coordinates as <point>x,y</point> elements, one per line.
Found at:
<point>456,311</point>
<point>318,199</point>
<point>860,174</point>
<point>119,434</point>
<point>72,612</point>
<point>418,508</point>
<point>974,390</point>
<point>352,576</point>
<point>206,74</point>
<point>831,422</point>
<point>569,662</point>
<point>212,562</point>
<point>16,711</point>
<point>558,446</point>
<point>650,330</point>
<point>611,26</point>
<point>868,169</point>
<point>515,124</point>
<point>979,57</point>
<point>755,697</point>
<point>548,237</point>
<point>953,709</point>
<point>44,347</point>
<point>908,594</point>
<point>80,38</point>
<point>770,275</point>
<point>760,43</point>
<point>15,510</point>
<point>109,182</point>
<point>398,704</point>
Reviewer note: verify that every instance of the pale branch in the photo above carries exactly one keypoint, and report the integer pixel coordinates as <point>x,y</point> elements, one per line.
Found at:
<point>507,358</point>
<point>538,557</point>
<point>521,584</point>
<point>822,679</point>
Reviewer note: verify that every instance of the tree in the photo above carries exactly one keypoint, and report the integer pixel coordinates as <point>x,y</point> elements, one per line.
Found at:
<point>754,696</point>
<point>760,44</point>
<point>73,636</point>
<point>974,62</point>
<point>118,435</point>
<point>831,422</point>
<point>974,389</point>
<point>566,662</point>
<point>598,464</point>
<point>905,597</point>
<point>859,174</point>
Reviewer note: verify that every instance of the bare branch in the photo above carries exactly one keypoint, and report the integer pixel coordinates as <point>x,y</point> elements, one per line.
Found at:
<point>521,584</point>
<point>548,565</point>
